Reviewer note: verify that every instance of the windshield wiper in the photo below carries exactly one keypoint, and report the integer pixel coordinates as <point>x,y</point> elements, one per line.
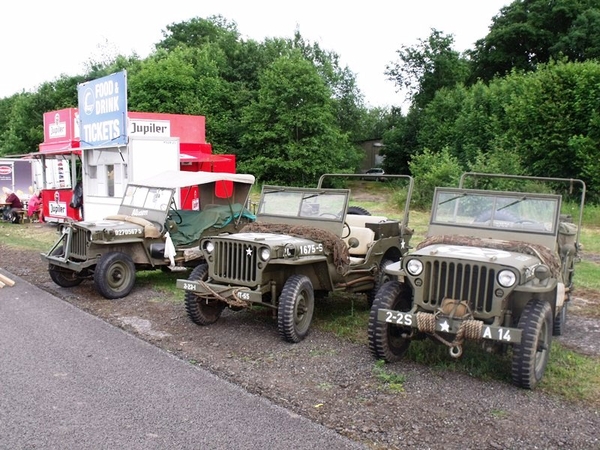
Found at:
<point>310,196</point>
<point>453,198</point>
<point>512,203</point>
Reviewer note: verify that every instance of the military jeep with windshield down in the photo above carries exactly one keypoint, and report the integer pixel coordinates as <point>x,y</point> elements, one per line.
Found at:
<point>304,243</point>
<point>150,230</point>
<point>496,267</point>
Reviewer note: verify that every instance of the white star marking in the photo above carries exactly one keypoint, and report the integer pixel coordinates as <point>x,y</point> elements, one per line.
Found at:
<point>445,326</point>
<point>402,244</point>
<point>248,251</point>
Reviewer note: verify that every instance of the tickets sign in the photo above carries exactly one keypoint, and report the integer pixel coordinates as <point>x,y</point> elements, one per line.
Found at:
<point>102,105</point>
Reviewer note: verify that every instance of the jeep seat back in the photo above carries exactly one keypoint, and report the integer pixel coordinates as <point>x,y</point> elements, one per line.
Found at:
<point>365,238</point>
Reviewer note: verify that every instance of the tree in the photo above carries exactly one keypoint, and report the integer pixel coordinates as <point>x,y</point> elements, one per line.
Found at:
<point>427,67</point>
<point>542,123</point>
<point>399,141</point>
<point>431,169</point>
<point>527,33</point>
<point>239,63</point>
<point>422,71</point>
<point>21,122</point>
<point>166,83</point>
<point>554,121</point>
<point>24,129</point>
<point>197,32</point>
<point>290,134</point>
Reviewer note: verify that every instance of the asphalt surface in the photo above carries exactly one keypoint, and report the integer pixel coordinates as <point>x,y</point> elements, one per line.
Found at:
<point>69,380</point>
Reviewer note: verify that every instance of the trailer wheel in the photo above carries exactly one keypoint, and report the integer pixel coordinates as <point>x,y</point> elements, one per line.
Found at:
<point>388,341</point>
<point>296,307</point>
<point>530,357</point>
<point>114,275</point>
<point>63,277</point>
<point>202,311</point>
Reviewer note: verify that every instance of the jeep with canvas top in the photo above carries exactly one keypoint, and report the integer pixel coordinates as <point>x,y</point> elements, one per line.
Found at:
<point>496,267</point>
<point>150,231</point>
<point>306,242</point>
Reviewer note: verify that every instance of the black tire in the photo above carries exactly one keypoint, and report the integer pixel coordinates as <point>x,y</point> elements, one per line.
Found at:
<point>358,210</point>
<point>63,277</point>
<point>296,308</point>
<point>202,311</point>
<point>530,357</point>
<point>114,275</point>
<point>558,327</point>
<point>385,339</point>
<point>380,279</point>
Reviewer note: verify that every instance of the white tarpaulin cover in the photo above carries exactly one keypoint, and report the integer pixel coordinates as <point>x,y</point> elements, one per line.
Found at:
<point>179,178</point>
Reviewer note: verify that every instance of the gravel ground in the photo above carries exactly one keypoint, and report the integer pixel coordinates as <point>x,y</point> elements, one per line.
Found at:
<point>332,381</point>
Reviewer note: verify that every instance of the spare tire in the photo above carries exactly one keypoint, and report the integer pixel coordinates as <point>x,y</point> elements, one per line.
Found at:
<point>358,211</point>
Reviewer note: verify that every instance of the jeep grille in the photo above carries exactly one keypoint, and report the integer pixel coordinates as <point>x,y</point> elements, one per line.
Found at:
<point>470,282</point>
<point>235,262</point>
<point>78,244</point>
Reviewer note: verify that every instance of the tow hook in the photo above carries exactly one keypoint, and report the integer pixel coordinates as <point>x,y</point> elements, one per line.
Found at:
<point>456,351</point>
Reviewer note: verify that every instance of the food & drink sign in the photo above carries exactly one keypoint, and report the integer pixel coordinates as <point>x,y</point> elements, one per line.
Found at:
<point>102,105</point>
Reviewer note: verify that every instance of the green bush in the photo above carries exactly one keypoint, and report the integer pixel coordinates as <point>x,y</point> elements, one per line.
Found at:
<point>431,169</point>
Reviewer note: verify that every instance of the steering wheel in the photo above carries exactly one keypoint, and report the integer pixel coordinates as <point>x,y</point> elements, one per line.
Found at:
<point>346,226</point>
<point>176,216</point>
<point>332,215</point>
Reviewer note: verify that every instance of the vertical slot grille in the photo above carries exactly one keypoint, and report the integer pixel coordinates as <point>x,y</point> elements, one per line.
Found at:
<point>235,262</point>
<point>78,244</point>
<point>469,282</point>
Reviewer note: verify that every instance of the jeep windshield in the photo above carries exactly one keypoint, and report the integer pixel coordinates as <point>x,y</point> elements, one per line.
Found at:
<point>535,213</point>
<point>151,203</point>
<point>326,205</point>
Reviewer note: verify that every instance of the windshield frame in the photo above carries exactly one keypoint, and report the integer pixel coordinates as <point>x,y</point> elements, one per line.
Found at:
<point>493,211</point>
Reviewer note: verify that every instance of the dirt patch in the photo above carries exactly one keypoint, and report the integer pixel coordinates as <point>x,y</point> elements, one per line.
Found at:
<point>332,381</point>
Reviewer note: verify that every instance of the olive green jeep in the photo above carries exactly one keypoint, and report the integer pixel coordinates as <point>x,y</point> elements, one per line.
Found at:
<point>496,267</point>
<point>306,242</point>
<point>150,231</point>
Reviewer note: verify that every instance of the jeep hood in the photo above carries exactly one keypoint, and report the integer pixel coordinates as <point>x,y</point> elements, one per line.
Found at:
<point>114,228</point>
<point>485,255</point>
<point>271,239</point>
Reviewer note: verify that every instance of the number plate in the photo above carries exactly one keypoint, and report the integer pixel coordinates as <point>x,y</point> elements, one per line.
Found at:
<point>399,318</point>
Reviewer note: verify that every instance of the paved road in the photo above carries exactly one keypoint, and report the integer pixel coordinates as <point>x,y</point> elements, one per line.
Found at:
<point>71,381</point>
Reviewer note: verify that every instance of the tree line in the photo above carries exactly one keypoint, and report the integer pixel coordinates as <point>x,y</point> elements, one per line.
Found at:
<point>524,100</point>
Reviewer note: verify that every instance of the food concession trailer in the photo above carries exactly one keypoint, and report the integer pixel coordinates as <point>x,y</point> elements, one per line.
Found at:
<point>156,142</point>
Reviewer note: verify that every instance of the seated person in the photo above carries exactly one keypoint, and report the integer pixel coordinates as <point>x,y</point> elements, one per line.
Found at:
<point>14,205</point>
<point>34,207</point>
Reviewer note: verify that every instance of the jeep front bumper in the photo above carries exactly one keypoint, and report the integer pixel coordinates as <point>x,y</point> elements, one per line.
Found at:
<point>462,328</point>
<point>232,295</point>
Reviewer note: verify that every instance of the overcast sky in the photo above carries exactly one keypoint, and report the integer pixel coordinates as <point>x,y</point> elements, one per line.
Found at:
<point>40,40</point>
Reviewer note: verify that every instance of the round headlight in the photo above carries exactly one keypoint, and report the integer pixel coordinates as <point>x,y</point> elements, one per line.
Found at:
<point>209,247</point>
<point>507,278</point>
<point>414,267</point>
<point>265,253</point>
